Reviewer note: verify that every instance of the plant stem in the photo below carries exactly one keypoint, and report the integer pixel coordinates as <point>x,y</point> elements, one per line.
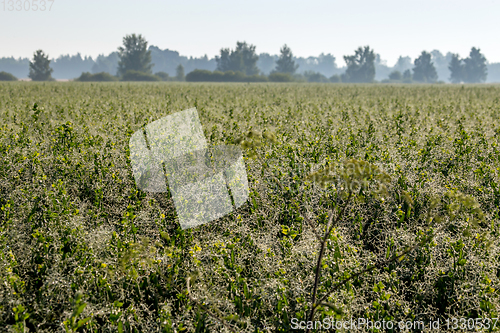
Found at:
<point>329,228</point>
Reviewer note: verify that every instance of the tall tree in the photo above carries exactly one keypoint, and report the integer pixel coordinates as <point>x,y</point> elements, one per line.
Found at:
<point>179,71</point>
<point>249,58</point>
<point>360,66</point>
<point>40,67</point>
<point>475,67</point>
<point>134,55</point>
<point>242,59</point>
<point>456,68</point>
<point>424,70</point>
<point>285,63</point>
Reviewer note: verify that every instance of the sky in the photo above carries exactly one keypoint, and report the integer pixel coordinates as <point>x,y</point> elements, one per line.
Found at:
<point>198,27</point>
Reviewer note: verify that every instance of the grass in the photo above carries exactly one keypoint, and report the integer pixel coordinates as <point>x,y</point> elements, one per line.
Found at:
<point>82,249</point>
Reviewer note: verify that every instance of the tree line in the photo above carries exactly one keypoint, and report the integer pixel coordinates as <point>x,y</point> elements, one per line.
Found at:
<point>240,65</point>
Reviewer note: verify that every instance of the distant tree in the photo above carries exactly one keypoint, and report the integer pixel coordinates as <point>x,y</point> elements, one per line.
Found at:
<point>407,76</point>
<point>396,76</point>
<point>403,64</point>
<point>360,66</point>
<point>285,63</point>
<point>456,68</point>
<point>242,59</point>
<point>249,58</point>
<point>107,63</point>
<point>134,55</point>
<point>4,76</point>
<point>326,64</point>
<point>424,70</point>
<point>266,62</point>
<point>475,69</point>
<point>179,73</point>
<point>40,67</point>
<point>223,61</point>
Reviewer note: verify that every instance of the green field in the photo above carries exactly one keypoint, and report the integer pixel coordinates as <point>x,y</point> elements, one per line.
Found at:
<point>82,249</point>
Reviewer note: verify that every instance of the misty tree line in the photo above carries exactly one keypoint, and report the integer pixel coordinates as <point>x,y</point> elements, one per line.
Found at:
<point>243,64</point>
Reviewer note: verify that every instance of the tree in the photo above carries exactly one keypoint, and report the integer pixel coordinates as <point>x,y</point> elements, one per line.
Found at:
<point>134,55</point>
<point>475,69</point>
<point>242,59</point>
<point>360,66</point>
<point>249,58</point>
<point>285,63</point>
<point>40,67</point>
<point>456,68</point>
<point>407,77</point>
<point>403,64</point>
<point>180,73</point>
<point>424,70</point>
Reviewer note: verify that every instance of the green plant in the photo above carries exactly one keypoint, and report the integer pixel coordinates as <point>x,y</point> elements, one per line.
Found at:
<point>4,76</point>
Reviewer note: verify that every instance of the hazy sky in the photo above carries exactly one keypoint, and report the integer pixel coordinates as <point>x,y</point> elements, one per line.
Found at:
<point>198,27</point>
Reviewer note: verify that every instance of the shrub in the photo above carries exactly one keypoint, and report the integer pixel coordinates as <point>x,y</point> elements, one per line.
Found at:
<point>98,77</point>
<point>132,75</point>
<point>200,75</point>
<point>164,76</point>
<point>4,76</point>
<point>315,77</point>
<point>231,76</point>
<point>280,77</point>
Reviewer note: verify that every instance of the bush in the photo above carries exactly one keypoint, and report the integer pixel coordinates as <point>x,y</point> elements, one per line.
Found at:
<point>199,75</point>
<point>395,76</point>
<point>231,76</point>
<point>280,77</point>
<point>98,77</point>
<point>132,75</point>
<point>315,77</point>
<point>164,76</point>
<point>335,79</point>
<point>4,76</point>
<point>202,75</point>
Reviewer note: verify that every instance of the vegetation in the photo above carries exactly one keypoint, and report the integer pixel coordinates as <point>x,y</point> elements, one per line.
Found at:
<point>281,77</point>
<point>470,70</point>
<point>360,66</point>
<point>285,64</point>
<point>242,59</point>
<point>4,76</point>
<point>97,77</point>
<point>375,202</point>
<point>134,55</point>
<point>164,76</point>
<point>132,75</point>
<point>40,67</point>
<point>200,75</point>
<point>180,73</point>
<point>315,77</point>
<point>424,70</point>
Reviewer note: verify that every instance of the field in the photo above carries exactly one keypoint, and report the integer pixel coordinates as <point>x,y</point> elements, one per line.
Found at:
<point>414,239</point>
